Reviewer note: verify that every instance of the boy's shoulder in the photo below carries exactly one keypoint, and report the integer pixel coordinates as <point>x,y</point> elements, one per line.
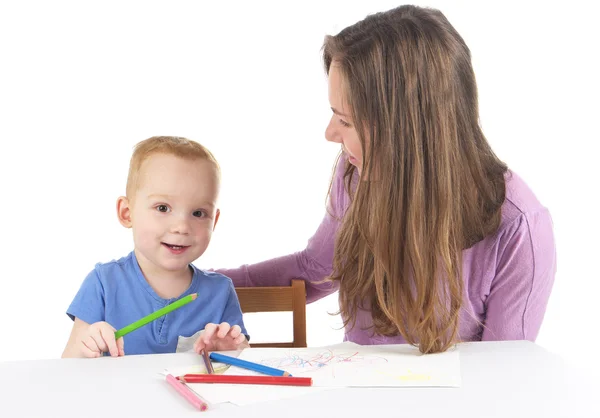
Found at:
<point>116,268</point>
<point>212,277</point>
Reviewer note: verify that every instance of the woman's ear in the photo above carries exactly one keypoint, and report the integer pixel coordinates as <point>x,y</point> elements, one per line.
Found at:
<point>124,211</point>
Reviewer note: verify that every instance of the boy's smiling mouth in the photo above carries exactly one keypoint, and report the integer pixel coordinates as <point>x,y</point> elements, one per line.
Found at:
<point>175,249</point>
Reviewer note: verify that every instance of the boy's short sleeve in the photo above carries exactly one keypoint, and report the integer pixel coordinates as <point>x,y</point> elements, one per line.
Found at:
<point>88,304</point>
<point>232,314</point>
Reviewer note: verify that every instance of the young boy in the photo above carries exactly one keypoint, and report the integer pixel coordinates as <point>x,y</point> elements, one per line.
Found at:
<point>171,207</point>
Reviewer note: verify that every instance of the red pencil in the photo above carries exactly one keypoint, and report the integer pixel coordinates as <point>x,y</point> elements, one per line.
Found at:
<point>249,380</point>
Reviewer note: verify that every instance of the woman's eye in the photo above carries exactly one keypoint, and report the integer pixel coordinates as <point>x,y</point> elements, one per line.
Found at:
<point>162,208</point>
<point>344,123</point>
<point>198,213</point>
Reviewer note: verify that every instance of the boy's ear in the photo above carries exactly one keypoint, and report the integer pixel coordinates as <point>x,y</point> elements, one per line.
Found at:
<point>124,211</point>
<point>216,218</point>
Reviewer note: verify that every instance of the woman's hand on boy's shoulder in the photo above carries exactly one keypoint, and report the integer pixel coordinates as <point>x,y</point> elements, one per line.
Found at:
<point>220,337</point>
<point>92,340</point>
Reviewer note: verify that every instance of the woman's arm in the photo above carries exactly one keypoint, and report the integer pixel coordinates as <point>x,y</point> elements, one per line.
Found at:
<point>525,274</point>
<point>312,264</point>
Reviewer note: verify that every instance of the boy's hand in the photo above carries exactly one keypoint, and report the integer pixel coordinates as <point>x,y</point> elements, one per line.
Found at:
<point>99,338</point>
<point>220,337</point>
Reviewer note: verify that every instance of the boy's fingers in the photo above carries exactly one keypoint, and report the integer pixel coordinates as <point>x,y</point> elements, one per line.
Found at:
<point>208,333</point>
<point>223,329</point>
<point>108,335</point>
<point>99,342</point>
<point>90,348</point>
<point>235,331</point>
<point>199,345</point>
<point>121,346</point>
<point>87,353</point>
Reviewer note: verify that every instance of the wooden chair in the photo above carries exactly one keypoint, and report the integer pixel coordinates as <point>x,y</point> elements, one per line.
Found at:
<point>278,299</point>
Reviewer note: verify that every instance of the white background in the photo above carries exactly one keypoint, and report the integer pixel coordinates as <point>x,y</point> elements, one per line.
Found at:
<point>82,82</point>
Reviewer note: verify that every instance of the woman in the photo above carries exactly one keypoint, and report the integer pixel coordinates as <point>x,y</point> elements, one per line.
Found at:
<point>429,238</point>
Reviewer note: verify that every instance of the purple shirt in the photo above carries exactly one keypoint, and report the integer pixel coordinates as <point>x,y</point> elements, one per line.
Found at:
<point>508,276</point>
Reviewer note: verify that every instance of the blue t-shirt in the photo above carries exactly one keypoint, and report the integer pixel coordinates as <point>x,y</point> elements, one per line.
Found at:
<point>118,293</point>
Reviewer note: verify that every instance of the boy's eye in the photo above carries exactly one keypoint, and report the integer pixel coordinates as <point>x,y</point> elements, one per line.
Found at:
<point>162,208</point>
<point>198,213</point>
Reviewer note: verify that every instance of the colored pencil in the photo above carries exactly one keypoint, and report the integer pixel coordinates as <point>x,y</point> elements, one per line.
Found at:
<point>207,363</point>
<point>249,380</point>
<point>221,358</point>
<point>187,393</point>
<point>155,315</point>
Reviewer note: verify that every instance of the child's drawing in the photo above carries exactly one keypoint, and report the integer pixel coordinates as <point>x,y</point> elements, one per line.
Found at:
<point>298,362</point>
<point>350,364</point>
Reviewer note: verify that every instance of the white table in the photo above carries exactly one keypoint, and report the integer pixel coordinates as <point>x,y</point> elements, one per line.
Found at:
<point>499,379</point>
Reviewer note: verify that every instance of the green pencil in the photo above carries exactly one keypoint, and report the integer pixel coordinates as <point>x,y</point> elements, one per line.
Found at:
<point>155,315</point>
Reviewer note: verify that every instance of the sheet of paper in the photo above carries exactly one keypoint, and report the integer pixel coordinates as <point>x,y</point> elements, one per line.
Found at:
<point>341,365</point>
<point>353,365</point>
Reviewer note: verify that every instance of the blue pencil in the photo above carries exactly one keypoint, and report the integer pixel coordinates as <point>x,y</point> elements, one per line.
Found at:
<point>248,365</point>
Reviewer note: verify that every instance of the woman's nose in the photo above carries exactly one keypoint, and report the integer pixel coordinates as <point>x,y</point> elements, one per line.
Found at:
<point>331,134</point>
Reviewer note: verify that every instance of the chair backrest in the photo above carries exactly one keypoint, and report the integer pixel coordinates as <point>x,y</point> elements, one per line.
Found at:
<point>278,299</point>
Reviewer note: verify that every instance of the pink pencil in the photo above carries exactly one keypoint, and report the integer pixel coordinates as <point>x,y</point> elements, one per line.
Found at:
<point>187,393</point>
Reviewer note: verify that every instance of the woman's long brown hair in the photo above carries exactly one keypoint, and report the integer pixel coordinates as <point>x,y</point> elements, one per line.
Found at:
<point>430,186</point>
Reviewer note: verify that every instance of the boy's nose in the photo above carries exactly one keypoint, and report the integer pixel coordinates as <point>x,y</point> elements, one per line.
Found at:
<point>180,226</point>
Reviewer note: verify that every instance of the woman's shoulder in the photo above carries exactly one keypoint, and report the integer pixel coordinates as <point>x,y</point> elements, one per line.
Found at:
<point>520,200</point>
